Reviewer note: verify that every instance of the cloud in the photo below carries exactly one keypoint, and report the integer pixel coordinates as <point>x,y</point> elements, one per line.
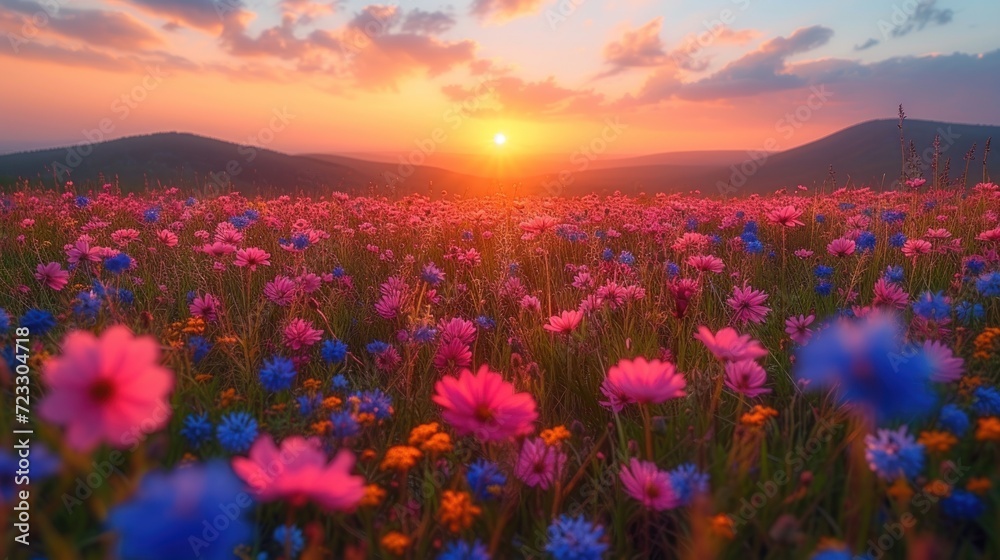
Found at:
<point>636,48</point>
<point>93,27</point>
<point>515,96</point>
<point>428,23</point>
<point>500,11</point>
<point>867,44</point>
<point>202,14</point>
<point>926,13</point>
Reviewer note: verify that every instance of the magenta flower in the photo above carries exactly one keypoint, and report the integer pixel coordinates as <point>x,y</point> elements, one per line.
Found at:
<point>841,247</point>
<point>280,291</point>
<point>649,485</point>
<point>889,294</point>
<point>484,405</point>
<point>110,389</point>
<point>913,248</point>
<point>298,473</point>
<point>52,275</point>
<point>206,307</point>
<point>787,217</point>
<point>645,382</point>
<point>81,251</point>
<point>453,355</point>
<point>300,333</point>
<point>748,305</point>
<point>565,322</point>
<point>167,237</point>
<point>945,365</point>
<point>798,328</point>
<point>252,257</point>
<point>539,465</point>
<point>728,345</point>
<point>457,328</point>
<point>706,263</point>
<point>746,377</point>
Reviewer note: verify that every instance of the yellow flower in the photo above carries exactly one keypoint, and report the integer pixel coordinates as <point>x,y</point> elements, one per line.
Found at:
<point>938,488</point>
<point>979,485</point>
<point>457,510</point>
<point>395,543</point>
<point>438,443</point>
<point>374,494</point>
<point>722,526</point>
<point>938,441</point>
<point>555,435</point>
<point>400,458</point>
<point>422,433</point>
<point>988,429</point>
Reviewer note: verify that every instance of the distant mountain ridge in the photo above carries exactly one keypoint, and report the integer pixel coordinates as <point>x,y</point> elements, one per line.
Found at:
<point>864,154</point>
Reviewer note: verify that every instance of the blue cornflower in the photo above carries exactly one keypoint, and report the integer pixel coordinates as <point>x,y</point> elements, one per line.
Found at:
<point>485,322</point>
<point>894,453</point>
<point>467,235</point>
<point>300,241</point>
<point>118,263</point>
<point>897,240</point>
<point>833,553</point>
<point>424,334</point>
<point>626,258</point>
<point>740,214</point>
<point>962,504</point>
<point>339,382</point>
<point>339,272</point>
<point>82,201</point>
<point>277,374</point>
<point>749,237</point>
<point>183,502</point>
<point>375,402</point>
<point>753,247</point>
<point>845,206</point>
<point>151,215</point>
<point>691,224</point>
<point>820,218</point>
<point>344,424</point>
<point>869,363</point>
<point>200,347</point>
<point>309,403</point>
<point>251,214</point>
<point>575,538</point>
<point>954,419</point>
<point>197,429</point>
<point>37,321</point>
<point>986,401</point>
<point>377,347</point>
<point>894,274</point>
<point>125,296</point>
<point>823,271</point>
<point>333,351</point>
<point>600,234</point>
<point>824,288</point>
<point>236,432</point>
<point>4,321</point>
<point>239,222</point>
<point>673,270</point>
<point>715,239</point>
<point>461,550</point>
<point>191,201</point>
<point>750,228</point>
<point>989,284</point>
<point>607,254</point>
<point>932,306</point>
<point>432,274</point>
<point>291,539</point>
<point>485,479</point>
<point>865,241</point>
<point>969,313</point>
<point>513,268</point>
<point>975,266</point>
<point>893,216</point>
<point>930,205</point>
<point>688,482</point>
<point>86,306</point>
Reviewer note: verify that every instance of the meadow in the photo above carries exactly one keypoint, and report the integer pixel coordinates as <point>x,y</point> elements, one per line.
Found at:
<point>798,375</point>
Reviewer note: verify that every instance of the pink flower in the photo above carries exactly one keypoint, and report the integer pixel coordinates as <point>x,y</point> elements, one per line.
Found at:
<point>105,389</point>
<point>207,307</point>
<point>945,366</point>
<point>746,377</point>
<point>123,237</point>
<point>538,225</point>
<point>457,328</point>
<point>539,465</point>
<point>787,217</point>
<point>748,304</point>
<point>888,294</point>
<point>798,328</point>
<point>565,322</point>
<point>803,253</point>
<point>390,304</point>
<point>280,291</point>
<point>300,333</point>
<point>218,249</point>
<point>252,257</point>
<point>52,275</point>
<point>453,355</point>
<point>299,473</point>
<point>81,251</point>
<point>706,263</point>
<point>649,485</point>
<point>484,405</point>
<point>841,247</point>
<point>167,237</point>
<point>729,345</point>
<point>916,247</point>
<point>646,382</point>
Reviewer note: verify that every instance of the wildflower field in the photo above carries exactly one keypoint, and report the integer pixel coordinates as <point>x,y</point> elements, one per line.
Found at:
<point>800,375</point>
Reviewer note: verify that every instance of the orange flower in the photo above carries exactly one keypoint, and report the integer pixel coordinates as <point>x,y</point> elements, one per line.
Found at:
<point>900,490</point>
<point>312,384</point>
<point>438,443</point>
<point>555,435</point>
<point>457,510</point>
<point>979,485</point>
<point>988,429</point>
<point>228,397</point>
<point>400,458</point>
<point>321,428</point>
<point>422,433</point>
<point>374,494</point>
<point>938,441</point>
<point>757,416</point>
<point>368,455</point>
<point>722,526</point>
<point>203,378</point>
<point>968,384</point>
<point>331,403</point>
<point>938,488</point>
<point>395,543</point>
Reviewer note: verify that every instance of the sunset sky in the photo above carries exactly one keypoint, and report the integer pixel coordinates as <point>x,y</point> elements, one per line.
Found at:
<point>351,77</point>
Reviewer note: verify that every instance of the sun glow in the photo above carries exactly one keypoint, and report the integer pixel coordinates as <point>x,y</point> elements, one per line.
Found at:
<point>500,139</point>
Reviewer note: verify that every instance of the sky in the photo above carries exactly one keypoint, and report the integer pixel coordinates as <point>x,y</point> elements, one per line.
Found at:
<point>609,77</point>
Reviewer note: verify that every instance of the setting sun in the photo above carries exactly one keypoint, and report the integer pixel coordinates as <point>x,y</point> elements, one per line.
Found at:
<point>500,139</point>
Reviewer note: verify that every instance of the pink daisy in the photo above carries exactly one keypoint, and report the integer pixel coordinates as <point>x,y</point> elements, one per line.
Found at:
<point>748,305</point>
<point>280,291</point>
<point>539,465</point>
<point>786,217</point>
<point>167,237</point>
<point>706,263</point>
<point>945,365</point>
<point>841,247</point>
<point>300,333</point>
<point>565,322</point>
<point>207,307</point>
<point>916,247</point>
<point>52,275</point>
<point>798,328</point>
<point>645,382</point>
<point>649,485</point>
<point>746,377</point>
<point>104,390</point>
<point>727,344</point>
<point>252,257</point>
<point>453,355</point>
<point>484,405</point>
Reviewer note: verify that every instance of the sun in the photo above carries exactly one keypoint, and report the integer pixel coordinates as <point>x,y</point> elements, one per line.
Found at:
<point>500,139</point>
